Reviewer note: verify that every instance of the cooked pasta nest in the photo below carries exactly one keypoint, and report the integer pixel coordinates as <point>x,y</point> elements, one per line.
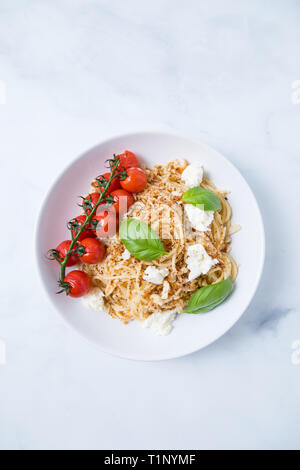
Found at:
<point>127,296</point>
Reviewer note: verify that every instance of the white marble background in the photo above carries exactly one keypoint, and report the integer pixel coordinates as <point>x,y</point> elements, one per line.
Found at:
<point>77,71</point>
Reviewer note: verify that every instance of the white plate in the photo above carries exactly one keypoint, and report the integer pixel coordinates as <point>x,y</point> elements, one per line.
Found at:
<point>190,333</point>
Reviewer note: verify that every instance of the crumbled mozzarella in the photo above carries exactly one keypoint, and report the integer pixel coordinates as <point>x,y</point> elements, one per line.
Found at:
<point>161,323</point>
<point>193,175</point>
<point>200,220</point>
<point>126,254</point>
<point>198,261</point>
<point>154,275</point>
<point>94,299</point>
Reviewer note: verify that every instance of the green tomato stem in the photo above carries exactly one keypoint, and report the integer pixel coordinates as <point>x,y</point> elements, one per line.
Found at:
<point>87,220</point>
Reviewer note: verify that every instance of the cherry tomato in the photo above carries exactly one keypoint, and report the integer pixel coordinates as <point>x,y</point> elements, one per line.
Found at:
<point>115,184</point>
<point>80,283</point>
<point>92,200</point>
<point>107,224</point>
<point>136,180</point>
<point>122,200</point>
<point>94,251</point>
<point>86,233</point>
<point>128,159</point>
<point>60,252</point>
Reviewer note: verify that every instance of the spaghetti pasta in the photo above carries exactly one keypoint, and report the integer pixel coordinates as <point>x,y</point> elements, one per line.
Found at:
<point>127,296</point>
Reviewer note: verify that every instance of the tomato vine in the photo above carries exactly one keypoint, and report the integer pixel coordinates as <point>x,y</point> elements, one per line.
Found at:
<point>117,172</point>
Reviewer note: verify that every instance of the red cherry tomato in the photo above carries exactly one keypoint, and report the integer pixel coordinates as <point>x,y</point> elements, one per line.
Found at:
<point>107,224</point>
<point>94,251</point>
<point>91,199</point>
<point>136,180</point>
<point>115,184</point>
<point>86,233</point>
<point>80,283</point>
<point>122,201</point>
<point>128,159</point>
<point>60,252</point>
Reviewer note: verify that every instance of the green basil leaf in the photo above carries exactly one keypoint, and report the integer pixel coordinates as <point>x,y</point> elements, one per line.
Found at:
<point>209,297</point>
<point>201,196</point>
<point>140,240</point>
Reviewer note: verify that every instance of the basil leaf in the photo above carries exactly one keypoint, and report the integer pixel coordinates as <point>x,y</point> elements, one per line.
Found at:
<point>209,297</point>
<point>140,240</point>
<point>207,199</point>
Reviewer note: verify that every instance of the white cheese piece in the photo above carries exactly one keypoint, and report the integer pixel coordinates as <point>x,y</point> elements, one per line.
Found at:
<point>125,255</point>
<point>94,299</point>
<point>161,323</point>
<point>154,275</point>
<point>200,220</point>
<point>193,175</point>
<point>198,261</point>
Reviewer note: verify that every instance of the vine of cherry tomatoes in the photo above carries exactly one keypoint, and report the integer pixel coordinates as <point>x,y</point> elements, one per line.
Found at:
<point>89,249</point>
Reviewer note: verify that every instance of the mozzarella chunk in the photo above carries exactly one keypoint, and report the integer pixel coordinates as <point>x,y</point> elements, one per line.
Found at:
<point>193,175</point>
<point>94,299</point>
<point>200,220</point>
<point>154,275</point>
<point>198,261</point>
<point>125,255</point>
<point>161,323</point>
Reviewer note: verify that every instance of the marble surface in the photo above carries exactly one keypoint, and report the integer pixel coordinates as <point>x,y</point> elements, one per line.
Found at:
<point>75,72</point>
